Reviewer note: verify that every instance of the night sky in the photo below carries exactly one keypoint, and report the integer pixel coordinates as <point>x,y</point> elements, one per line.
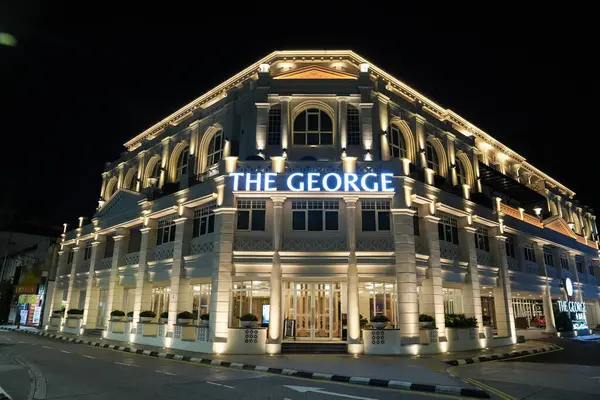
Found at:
<point>71,95</point>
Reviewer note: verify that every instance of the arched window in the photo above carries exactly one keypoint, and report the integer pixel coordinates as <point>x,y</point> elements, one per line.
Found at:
<point>353,126</point>
<point>432,158</point>
<point>461,178</point>
<point>182,164</point>
<point>155,170</point>
<point>313,127</point>
<point>110,188</point>
<point>215,149</point>
<point>397,143</point>
<point>274,132</point>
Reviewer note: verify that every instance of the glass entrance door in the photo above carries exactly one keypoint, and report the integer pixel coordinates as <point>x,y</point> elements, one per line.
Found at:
<point>318,311</point>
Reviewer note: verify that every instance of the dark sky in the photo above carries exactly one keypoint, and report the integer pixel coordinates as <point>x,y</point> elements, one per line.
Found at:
<point>71,95</point>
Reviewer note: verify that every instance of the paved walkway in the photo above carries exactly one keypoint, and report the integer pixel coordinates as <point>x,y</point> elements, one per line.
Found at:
<point>430,369</point>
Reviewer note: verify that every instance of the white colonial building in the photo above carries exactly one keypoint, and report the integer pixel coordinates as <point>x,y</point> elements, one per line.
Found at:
<point>314,190</point>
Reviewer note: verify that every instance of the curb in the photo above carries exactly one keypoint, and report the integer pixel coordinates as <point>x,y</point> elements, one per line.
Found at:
<point>383,383</point>
<point>504,356</point>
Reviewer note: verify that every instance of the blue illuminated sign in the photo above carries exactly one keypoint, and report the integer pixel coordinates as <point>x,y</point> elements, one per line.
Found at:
<point>314,182</point>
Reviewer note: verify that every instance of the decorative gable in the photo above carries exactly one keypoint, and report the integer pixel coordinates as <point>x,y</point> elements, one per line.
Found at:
<point>315,72</point>
<point>556,223</point>
<point>122,200</point>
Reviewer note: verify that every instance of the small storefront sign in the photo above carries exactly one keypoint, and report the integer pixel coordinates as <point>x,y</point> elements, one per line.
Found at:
<point>576,312</point>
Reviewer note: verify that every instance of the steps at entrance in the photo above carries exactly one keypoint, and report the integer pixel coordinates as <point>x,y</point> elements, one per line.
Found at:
<point>94,332</point>
<point>313,348</point>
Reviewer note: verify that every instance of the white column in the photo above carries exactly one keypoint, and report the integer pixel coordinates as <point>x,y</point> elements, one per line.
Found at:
<point>475,162</point>
<point>72,291</point>
<point>471,292</point>
<point>450,138</point>
<point>354,337</point>
<point>548,310</point>
<point>431,291</point>
<point>285,121</point>
<point>577,289</point>
<point>143,288</point>
<point>92,294</point>
<point>115,290</point>
<point>406,274</point>
<point>275,311</point>
<point>57,294</point>
<point>502,292</point>
<point>103,187</point>
<point>343,121</point>
<point>221,278</point>
<point>164,162</point>
<point>180,286</point>
<point>262,124</point>
<point>419,127</point>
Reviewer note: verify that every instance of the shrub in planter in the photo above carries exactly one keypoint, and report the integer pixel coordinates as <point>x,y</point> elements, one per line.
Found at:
<point>74,312</point>
<point>147,316</point>
<point>117,315</point>
<point>205,317</point>
<point>58,312</point>
<point>164,314</point>
<point>563,322</point>
<point>130,316</point>
<point>426,321</point>
<point>487,321</point>
<point>379,321</point>
<point>185,317</point>
<point>248,319</point>
<point>460,321</point>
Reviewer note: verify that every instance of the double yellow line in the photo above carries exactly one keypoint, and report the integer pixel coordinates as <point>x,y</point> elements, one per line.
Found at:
<point>500,394</point>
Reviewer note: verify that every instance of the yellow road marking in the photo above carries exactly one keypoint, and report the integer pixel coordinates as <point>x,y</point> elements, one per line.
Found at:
<point>481,385</point>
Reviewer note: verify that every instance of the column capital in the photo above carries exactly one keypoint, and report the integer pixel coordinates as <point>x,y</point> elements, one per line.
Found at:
<point>470,229</point>
<point>76,249</point>
<point>419,118</point>
<point>262,105</point>
<point>403,211</point>
<point>285,98</point>
<point>145,230</point>
<point>342,99</point>
<point>431,218</point>
<point>224,210</point>
<point>351,201</point>
<point>278,201</point>
<point>501,238</point>
<point>180,220</point>
<point>365,105</point>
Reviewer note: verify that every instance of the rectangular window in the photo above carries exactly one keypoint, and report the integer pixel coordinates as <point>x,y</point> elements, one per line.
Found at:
<point>579,264</point>
<point>510,247</point>
<point>564,262</point>
<point>204,221</point>
<point>70,257</point>
<point>353,126</point>
<point>591,269</point>
<point>251,215</point>
<point>274,132</point>
<point>166,231</point>
<point>448,229</point>
<point>529,253</point>
<point>249,297</point>
<point>548,257</point>
<point>312,215</point>
<point>482,240</point>
<point>376,215</point>
<point>87,253</point>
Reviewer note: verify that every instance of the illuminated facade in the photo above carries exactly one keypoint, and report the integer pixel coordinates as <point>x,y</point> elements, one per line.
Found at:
<point>314,187</point>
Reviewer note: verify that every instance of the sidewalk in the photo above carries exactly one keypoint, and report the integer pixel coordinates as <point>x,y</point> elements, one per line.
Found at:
<point>416,370</point>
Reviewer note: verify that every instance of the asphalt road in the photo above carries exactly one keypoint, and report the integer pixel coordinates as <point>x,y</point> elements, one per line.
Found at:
<point>571,373</point>
<point>41,368</point>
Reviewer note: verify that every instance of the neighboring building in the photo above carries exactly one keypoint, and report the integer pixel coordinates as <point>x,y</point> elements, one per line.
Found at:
<point>363,198</point>
<point>25,279</point>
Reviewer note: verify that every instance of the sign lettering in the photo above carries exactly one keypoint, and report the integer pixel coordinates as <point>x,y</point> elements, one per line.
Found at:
<point>313,182</point>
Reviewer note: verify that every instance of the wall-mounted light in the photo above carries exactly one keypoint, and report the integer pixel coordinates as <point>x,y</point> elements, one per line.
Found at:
<point>368,156</point>
<point>571,225</point>
<point>344,152</point>
<point>101,202</point>
<point>152,181</point>
<point>364,67</point>
<point>284,152</point>
<point>538,211</point>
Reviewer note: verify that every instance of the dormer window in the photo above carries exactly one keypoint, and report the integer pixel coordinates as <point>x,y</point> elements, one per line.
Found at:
<point>313,127</point>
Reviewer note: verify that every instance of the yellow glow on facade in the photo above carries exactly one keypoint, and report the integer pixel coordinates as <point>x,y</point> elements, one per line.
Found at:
<point>278,164</point>
<point>230,164</point>
<point>429,174</point>
<point>349,164</point>
<point>466,191</point>
<point>408,195</point>
<point>406,166</point>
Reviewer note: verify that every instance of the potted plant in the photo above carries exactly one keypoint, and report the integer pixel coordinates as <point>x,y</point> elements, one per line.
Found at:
<point>379,321</point>
<point>130,316</point>
<point>460,321</point>
<point>58,313</point>
<point>247,320</point>
<point>75,313</point>
<point>185,318</point>
<point>164,317</point>
<point>204,318</point>
<point>117,315</point>
<point>426,321</point>
<point>147,316</point>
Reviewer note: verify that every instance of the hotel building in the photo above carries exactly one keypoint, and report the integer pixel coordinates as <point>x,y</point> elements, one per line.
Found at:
<point>314,190</point>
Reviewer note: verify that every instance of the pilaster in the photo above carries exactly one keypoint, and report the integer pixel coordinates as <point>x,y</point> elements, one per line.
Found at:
<point>343,121</point>
<point>366,121</point>
<point>262,124</point>
<point>275,311</point>
<point>472,292</point>
<point>502,292</point>
<point>90,311</point>
<point>143,288</point>
<point>72,292</point>
<point>354,337</point>
<point>57,294</point>
<point>115,290</point>
<point>180,287</point>
<point>285,121</point>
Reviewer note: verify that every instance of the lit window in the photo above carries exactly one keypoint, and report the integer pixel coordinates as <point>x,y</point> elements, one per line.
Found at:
<point>353,126</point>
<point>432,158</point>
<point>376,215</point>
<point>274,132</point>
<point>160,300</point>
<point>312,215</point>
<point>397,143</point>
<point>313,127</point>
<point>215,149</point>
<point>249,297</point>
<point>452,301</point>
<point>166,231</point>
<point>251,215</point>
<point>381,300</point>
<point>482,240</point>
<point>204,221</point>
<point>448,229</point>
<point>201,300</point>
<point>182,164</point>
<point>155,170</point>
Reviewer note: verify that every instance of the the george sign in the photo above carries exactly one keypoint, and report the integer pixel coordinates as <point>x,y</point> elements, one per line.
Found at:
<point>313,182</point>
<point>576,312</point>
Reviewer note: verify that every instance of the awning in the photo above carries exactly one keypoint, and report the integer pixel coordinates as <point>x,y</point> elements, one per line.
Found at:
<point>499,182</point>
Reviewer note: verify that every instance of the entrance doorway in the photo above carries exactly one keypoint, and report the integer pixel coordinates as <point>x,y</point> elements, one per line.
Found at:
<point>318,310</point>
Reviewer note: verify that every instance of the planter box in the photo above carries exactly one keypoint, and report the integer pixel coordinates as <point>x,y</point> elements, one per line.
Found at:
<point>382,341</point>
<point>146,319</point>
<point>204,322</point>
<point>429,336</point>
<point>426,325</point>
<point>248,324</point>
<point>72,325</point>
<point>117,318</point>
<point>379,325</point>
<point>246,341</point>
<point>184,321</point>
<point>464,339</point>
<point>163,320</point>
<point>55,322</point>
